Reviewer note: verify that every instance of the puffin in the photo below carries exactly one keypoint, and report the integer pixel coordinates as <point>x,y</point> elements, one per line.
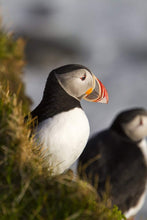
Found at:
<point>61,128</point>
<point>117,157</point>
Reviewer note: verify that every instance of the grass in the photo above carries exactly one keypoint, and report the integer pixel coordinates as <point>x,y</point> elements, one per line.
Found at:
<point>27,190</point>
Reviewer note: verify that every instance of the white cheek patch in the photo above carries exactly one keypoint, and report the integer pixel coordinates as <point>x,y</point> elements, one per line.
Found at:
<point>136,129</point>
<point>143,146</point>
<point>73,85</point>
<point>141,129</point>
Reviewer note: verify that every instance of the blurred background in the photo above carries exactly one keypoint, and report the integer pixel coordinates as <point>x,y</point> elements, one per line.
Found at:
<point>109,37</point>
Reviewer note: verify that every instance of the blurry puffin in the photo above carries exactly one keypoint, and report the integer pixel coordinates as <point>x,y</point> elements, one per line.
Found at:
<point>122,151</point>
<point>62,127</point>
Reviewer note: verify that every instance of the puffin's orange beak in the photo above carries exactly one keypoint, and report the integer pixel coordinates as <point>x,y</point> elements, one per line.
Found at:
<point>97,93</point>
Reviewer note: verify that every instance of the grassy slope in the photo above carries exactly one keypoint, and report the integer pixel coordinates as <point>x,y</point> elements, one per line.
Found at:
<point>27,191</point>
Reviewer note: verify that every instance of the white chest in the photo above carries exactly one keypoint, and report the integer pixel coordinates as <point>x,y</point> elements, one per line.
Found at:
<point>134,210</point>
<point>63,138</point>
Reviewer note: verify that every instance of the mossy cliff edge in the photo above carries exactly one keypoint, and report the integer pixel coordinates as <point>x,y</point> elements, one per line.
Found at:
<point>27,191</point>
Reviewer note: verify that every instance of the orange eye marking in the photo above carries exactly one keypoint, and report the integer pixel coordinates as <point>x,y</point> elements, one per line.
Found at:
<point>89,91</point>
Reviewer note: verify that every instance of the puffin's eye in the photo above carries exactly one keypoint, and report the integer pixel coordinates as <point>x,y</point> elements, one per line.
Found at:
<point>83,77</point>
<point>141,121</point>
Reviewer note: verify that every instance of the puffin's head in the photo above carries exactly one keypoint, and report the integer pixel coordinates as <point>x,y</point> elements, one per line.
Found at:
<point>79,82</point>
<point>133,122</point>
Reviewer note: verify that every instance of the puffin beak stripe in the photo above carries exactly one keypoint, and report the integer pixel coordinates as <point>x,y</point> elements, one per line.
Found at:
<point>98,93</point>
<point>89,91</point>
<point>103,97</point>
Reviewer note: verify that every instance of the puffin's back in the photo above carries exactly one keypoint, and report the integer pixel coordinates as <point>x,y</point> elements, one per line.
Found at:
<point>120,162</point>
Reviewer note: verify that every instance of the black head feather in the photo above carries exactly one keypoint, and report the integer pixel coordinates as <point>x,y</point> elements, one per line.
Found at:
<point>126,117</point>
<point>69,68</point>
